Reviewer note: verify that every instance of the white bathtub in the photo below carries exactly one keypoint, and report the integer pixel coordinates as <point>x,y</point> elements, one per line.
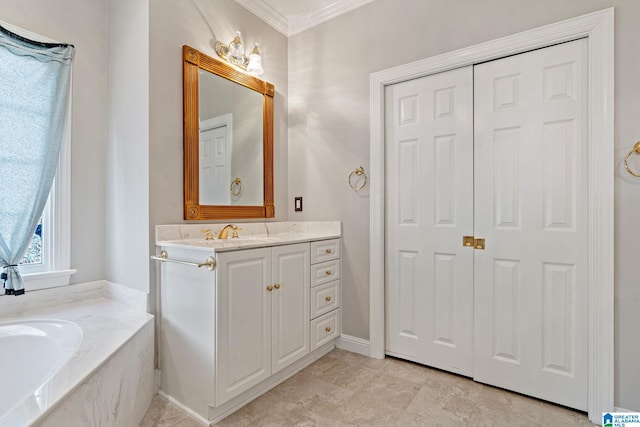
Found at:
<point>109,379</point>
<point>31,352</point>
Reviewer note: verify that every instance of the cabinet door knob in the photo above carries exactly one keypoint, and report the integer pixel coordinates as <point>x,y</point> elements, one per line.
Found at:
<point>328,329</point>
<point>269,288</point>
<point>277,286</point>
<point>328,272</point>
<point>327,299</point>
<point>328,251</point>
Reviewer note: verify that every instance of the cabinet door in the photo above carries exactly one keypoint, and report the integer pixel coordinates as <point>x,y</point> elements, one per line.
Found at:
<point>290,296</point>
<point>243,332</point>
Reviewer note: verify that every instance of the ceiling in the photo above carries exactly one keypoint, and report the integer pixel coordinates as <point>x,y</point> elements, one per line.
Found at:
<point>293,16</point>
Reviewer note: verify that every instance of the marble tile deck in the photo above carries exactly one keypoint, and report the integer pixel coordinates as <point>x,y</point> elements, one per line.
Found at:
<point>347,389</point>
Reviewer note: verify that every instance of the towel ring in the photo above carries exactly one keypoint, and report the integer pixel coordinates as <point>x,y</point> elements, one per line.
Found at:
<point>236,187</point>
<point>636,149</point>
<point>359,171</point>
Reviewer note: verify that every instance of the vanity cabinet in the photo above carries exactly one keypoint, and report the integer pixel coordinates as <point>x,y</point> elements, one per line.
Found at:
<point>263,312</point>
<point>228,335</point>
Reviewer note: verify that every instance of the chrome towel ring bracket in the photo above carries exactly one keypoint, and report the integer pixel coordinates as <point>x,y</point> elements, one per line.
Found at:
<point>636,149</point>
<point>355,183</point>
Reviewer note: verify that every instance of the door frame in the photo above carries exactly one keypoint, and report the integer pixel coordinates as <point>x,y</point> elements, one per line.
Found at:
<point>598,28</point>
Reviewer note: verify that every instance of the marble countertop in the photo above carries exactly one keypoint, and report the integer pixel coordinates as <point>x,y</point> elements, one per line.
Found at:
<point>106,325</point>
<point>252,235</point>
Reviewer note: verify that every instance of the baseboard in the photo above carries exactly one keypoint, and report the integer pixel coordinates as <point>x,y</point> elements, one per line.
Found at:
<point>618,409</point>
<point>353,344</point>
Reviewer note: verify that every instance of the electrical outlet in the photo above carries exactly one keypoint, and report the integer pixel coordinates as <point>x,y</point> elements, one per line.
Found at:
<point>297,205</point>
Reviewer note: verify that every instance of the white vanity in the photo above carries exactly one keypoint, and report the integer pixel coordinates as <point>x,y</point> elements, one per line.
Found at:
<point>269,307</point>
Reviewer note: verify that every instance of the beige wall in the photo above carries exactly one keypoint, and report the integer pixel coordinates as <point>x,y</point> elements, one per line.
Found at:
<point>199,23</point>
<point>329,68</point>
<point>60,21</point>
<point>127,159</point>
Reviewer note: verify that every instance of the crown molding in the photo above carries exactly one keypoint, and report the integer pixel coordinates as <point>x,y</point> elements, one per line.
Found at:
<point>299,23</point>
<point>267,14</point>
<point>304,22</point>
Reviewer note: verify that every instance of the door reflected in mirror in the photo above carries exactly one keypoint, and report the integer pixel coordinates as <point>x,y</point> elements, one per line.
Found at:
<point>231,149</point>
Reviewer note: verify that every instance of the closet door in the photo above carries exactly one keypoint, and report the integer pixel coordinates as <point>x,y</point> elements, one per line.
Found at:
<point>531,207</point>
<point>429,193</point>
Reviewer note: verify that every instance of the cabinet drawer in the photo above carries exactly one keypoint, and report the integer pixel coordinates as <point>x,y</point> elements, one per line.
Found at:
<point>325,329</point>
<point>325,250</point>
<point>325,272</point>
<point>325,298</point>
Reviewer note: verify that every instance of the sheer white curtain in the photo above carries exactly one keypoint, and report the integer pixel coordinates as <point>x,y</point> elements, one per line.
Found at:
<point>34,99</point>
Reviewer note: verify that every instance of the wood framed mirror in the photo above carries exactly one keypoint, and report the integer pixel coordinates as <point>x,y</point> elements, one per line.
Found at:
<point>228,141</point>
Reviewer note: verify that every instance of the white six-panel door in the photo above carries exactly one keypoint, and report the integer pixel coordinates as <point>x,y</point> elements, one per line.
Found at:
<point>531,207</point>
<point>512,315</point>
<point>215,165</point>
<point>429,159</point>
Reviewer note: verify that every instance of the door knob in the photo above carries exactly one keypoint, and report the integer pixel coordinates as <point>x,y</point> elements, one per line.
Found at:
<point>269,288</point>
<point>277,286</point>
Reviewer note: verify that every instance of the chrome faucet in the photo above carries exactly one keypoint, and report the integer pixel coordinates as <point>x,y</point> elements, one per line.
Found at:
<point>224,233</point>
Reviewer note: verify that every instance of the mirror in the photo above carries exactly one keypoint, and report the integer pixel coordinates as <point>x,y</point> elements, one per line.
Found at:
<point>228,141</point>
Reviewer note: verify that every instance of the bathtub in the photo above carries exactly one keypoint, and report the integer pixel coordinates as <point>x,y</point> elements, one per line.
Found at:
<point>90,363</point>
<point>31,352</point>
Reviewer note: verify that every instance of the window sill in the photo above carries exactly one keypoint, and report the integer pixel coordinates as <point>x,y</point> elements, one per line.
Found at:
<point>49,279</point>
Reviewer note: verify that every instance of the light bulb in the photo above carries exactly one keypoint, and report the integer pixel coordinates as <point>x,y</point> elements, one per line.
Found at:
<point>255,62</point>
<point>236,51</point>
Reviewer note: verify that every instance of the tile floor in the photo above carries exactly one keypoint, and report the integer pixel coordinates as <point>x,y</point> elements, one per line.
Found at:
<point>347,389</point>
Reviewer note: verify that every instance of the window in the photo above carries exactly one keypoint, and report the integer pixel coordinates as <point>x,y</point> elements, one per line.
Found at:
<point>36,253</point>
<point>46,263</point>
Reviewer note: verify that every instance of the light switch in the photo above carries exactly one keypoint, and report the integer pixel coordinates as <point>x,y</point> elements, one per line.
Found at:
<point>298,204</point>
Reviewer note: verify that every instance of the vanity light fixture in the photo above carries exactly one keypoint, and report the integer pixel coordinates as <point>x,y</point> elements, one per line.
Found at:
<point>234,54</point>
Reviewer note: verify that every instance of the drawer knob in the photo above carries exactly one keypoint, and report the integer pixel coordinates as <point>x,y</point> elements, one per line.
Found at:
<point>327,299</point>
<point>269,288</point>
<point>277,286</point>
<point>328,272</point>
<point>328,329</point>
<point>328,251</point>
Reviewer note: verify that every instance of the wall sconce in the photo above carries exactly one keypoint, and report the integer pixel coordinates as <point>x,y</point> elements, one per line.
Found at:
<point>234,54</point>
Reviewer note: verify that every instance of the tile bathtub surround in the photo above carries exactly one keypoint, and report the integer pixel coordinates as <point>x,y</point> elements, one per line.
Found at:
<point>107,327</point>
<point>166,233</point>
<point>347,389</point>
